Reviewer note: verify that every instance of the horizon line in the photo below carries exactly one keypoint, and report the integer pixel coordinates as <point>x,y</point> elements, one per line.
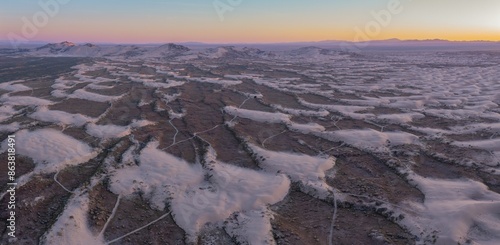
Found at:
<point>262,43</point>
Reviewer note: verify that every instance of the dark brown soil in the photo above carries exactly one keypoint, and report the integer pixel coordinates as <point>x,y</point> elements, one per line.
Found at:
<point>301,219</point>
<point>135,213</point>
<point>84,107</point>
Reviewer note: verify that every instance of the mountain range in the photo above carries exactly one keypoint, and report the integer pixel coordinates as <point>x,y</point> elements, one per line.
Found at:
<point>315,50</point>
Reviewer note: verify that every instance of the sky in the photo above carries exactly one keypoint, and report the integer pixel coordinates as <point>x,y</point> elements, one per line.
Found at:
<point>247,21</point>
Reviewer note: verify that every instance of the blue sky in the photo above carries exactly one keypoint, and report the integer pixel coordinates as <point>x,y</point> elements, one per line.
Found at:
<point>253,20</point>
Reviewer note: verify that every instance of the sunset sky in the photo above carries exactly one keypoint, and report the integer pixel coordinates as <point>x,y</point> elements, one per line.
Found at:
<point>155,21</point>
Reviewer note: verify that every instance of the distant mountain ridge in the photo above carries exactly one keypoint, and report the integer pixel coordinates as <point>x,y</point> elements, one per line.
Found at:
<point>234,52</point>
<point>68,49</point>
<point>324,50</point>
<point>168,50</point>
<point>92,50</point>
<point>57,47</point>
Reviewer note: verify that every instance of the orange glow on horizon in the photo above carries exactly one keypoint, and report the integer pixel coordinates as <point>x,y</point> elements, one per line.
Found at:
<point>251,35</point>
